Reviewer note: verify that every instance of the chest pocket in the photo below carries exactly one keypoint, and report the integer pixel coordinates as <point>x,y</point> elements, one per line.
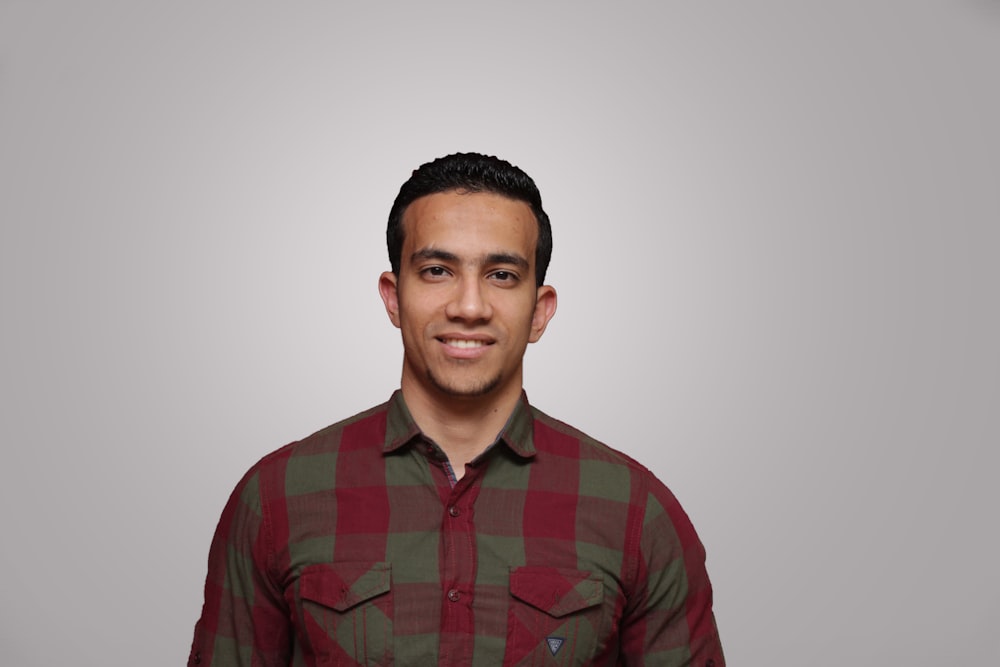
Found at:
<point>346,612</point>
<point>555,618</point>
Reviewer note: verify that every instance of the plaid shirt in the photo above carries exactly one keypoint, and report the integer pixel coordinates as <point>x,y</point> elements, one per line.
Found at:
<point>355,546</point>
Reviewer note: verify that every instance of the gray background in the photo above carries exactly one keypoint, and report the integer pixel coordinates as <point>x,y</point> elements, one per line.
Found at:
<point>776,241</point>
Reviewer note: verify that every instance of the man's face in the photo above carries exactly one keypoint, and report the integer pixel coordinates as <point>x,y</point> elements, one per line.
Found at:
<point>465,298</point>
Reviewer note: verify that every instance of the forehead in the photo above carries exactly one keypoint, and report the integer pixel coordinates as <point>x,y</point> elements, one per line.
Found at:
<point>477,221</point>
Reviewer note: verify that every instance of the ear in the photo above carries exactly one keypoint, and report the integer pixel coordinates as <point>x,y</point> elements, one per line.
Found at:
<point>545,308</point>
<point>387,288</point>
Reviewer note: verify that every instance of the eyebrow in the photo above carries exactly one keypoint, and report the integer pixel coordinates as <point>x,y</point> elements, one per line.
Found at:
<point>507,258</point>
<point>433,253</point>
<point>492,258</point>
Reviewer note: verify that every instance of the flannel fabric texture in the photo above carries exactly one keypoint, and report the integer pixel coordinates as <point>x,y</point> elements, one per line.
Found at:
<point>355,546</point>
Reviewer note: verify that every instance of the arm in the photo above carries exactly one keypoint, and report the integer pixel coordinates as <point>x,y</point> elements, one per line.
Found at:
<point>668,619</point>
<point>244,620</point>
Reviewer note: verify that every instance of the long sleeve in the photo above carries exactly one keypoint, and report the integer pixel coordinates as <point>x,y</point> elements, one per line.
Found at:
<point>668,621</point>
<point>244,620</point>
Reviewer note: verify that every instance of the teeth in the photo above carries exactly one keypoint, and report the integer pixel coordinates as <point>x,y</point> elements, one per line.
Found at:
<point>464,343</point>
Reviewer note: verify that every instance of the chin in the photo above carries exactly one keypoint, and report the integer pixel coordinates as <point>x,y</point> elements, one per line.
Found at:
<point>466,387</point>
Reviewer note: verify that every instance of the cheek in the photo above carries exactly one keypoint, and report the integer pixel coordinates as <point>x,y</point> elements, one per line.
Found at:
<point>414,320</point>
<point>522,320</point>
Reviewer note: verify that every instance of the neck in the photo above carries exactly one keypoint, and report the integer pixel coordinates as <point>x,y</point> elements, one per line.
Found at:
<point>462,426</point>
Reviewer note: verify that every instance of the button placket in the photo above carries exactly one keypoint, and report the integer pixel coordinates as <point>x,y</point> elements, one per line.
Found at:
<point>458,559</point>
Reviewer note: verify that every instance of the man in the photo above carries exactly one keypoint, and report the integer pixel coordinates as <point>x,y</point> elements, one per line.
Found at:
<point>456,524</point>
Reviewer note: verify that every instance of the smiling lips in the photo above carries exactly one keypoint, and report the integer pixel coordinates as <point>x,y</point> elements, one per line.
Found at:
<point>465,348</point>
<point>464,343</point>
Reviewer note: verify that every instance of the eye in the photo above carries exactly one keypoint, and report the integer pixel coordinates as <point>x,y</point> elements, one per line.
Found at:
<point>504,276</point>
<point>434,272</point>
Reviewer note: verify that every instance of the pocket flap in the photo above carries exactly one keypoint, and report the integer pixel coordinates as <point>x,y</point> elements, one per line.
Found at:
<point>340,586</point>
<point>555,591</point>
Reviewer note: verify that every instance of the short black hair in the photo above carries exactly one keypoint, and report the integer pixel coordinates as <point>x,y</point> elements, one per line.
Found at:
<point>470,172</point>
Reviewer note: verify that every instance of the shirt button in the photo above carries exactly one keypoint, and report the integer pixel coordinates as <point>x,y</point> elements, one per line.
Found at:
<point>454,595</point>
<point>196,659</point>
<point>710,663</point>
<point>454,511</point>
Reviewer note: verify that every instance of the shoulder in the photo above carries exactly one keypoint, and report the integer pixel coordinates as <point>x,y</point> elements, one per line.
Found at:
<point>555,436</point>
<point>608,468</point>
<point>319,451</point>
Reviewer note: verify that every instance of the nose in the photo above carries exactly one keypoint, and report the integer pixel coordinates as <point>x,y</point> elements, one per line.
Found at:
<point>469,302</point>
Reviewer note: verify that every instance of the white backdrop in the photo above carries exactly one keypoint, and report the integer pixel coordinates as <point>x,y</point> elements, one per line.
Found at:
<point>777,248</point>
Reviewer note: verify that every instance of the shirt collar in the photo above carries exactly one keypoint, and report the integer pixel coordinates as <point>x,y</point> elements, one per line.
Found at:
<point>517,433</point>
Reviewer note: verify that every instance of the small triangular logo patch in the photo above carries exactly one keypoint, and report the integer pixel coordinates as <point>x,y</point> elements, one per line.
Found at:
<point>555,643</point>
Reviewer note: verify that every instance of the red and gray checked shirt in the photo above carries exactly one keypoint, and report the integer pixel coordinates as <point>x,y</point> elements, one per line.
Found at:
<point>355,546</point>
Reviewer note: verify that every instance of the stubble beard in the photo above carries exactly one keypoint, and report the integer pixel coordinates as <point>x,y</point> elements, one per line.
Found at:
<point>471,389</point>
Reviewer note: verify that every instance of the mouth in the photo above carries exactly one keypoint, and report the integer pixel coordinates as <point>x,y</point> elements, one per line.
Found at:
<point>465,346</point>
<point>463,343</point>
